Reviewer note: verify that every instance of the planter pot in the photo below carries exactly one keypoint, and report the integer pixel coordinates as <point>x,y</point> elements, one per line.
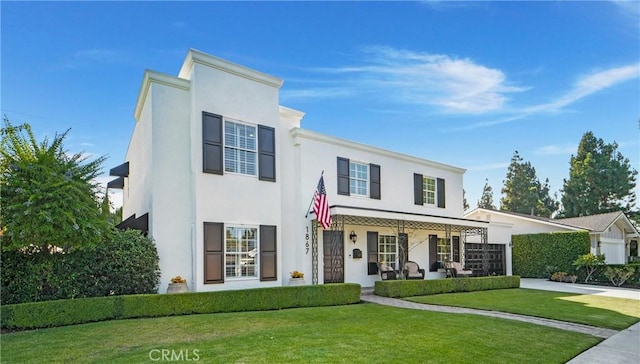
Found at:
<point>296,282</point>
<point>178,288</point>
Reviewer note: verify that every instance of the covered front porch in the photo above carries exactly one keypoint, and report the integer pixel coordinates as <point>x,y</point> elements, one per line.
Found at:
<point>360,239</point>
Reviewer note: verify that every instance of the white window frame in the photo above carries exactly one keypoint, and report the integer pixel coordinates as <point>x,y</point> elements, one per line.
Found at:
<point>388,256</point>
<point>240,165</point>
<point>353,179</point>
<point>444,250</point>
<point>426,192</point>
<point>239,253</point>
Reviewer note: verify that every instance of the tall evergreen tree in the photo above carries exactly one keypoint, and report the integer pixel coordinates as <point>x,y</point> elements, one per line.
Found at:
<point>600,180</point>
<point>486,201</point>
<point>465,204</point>
<point>523,193</point>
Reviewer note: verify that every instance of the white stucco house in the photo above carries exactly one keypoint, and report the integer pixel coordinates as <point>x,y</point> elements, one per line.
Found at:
<point>611,234</point>
<point>221,177</point>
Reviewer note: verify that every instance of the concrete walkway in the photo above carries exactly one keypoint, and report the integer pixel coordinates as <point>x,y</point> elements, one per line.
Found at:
<point>619,347</point>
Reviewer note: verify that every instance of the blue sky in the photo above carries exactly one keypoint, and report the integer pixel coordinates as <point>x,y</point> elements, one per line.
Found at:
<point>463,83</point>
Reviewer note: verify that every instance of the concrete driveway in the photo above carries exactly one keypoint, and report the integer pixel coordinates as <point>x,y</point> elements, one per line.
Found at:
<point>547,285</point>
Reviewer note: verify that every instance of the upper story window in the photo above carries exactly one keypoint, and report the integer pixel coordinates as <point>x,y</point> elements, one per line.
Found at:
<point>429,191</point>
<point>239,148</point>
<point>358,179</point>
<point>235,147</point>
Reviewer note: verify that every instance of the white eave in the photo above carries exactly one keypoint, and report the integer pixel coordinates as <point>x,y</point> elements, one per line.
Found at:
<point>299,133</point>
<point>525,218</point>
<point>195,56</point>
<point>161,79</point>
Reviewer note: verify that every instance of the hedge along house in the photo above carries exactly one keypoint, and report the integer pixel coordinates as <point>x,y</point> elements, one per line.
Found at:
<point>611,234</point>
<point>221,177</point>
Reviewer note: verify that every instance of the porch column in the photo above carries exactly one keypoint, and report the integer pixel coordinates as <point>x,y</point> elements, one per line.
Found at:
<point>314,251</point>
<point>484,239</point>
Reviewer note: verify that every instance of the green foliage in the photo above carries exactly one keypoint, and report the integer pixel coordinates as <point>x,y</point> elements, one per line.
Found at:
<point>589,262</point>
<point>589,190</point>
<point>523,192</point>
<point>599,275</point>
<point>486,201</point>
<point>619,275</point>
<point>126,263</point>
<point>409,288</point>
<point>69,312</point>
<point>49,196</point>
<point>533,254</point>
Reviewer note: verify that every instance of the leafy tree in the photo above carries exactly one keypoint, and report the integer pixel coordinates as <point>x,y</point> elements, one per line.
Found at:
<point>486,201</point>
<point>523,192</point>
<point>600,180</point>
<point>49,197</point>
<point>113,218</point>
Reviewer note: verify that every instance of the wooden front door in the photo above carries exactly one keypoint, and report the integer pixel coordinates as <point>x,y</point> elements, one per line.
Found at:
<point>333,256</point>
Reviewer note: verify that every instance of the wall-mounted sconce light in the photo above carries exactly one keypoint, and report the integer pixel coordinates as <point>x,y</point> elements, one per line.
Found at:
<point>353,237</point>
<point>511,244</point>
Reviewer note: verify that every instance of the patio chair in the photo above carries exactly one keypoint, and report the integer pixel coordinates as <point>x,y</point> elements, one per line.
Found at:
<point>413,271</point>
<point>386,272</point>
<point>457,270</point>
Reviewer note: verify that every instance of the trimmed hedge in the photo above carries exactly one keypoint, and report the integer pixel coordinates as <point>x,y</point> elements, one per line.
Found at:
<point>77,311</point>
<point>126,263</point>
<point>533,255</point>
<point>409,288</point>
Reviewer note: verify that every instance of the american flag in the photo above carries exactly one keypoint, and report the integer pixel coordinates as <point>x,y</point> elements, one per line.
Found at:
<point>321,205</point>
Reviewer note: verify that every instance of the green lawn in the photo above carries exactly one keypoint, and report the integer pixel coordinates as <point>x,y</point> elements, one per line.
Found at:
<point>356,333</point>
<point>608,312</point>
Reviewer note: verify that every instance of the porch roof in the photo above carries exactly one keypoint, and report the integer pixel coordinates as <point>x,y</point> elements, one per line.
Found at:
<point>354,215</point>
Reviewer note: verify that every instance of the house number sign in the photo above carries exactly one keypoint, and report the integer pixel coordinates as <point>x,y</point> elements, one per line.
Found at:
<point>306,241</point>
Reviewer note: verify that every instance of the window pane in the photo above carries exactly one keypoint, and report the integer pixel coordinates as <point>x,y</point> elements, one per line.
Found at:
<point>358,179</point>
<point>241,248</point>
<point>240,148</point>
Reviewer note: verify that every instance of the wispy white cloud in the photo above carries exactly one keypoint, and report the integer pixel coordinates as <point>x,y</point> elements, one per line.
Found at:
<point>489,167</point>
<point>566,149</point>
<point>456,85</point>
<point>583,87</point>
<point>589,85</point>
<point>92,56</point>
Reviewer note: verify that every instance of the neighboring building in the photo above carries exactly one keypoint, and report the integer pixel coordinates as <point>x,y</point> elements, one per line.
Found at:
<point>612,234</point>
<point>221,176</point>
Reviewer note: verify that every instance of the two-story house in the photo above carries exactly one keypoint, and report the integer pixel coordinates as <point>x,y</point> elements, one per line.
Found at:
<point>221,177</point>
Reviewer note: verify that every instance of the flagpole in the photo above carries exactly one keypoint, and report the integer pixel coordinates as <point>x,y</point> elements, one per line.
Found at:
<point>312,198</point>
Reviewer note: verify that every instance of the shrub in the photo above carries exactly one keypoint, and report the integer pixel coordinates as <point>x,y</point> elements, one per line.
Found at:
<point>599,276</point>
<point>619,275</point>
<point>589,262</point>
<point>126,263</point>
<point>408,288</point>
<point>68,312</point>
<point>533,253</point>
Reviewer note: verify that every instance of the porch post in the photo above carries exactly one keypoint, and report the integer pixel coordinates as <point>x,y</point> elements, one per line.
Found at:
<point>314,251</point>
<point>485,251</point>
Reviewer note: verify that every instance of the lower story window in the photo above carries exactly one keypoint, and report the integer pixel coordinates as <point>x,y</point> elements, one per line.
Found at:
<point>387,250</point>
<point>444,250</point>
<point>241,249</point>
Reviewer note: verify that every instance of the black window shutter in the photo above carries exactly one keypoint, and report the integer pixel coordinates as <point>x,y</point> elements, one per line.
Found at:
<point>266,153</point>
<point>372,252</point>
<point>268,253</point>
<point>418,192</point>
<point>374,182</point>
<point>440,192</point>
<point>212,143</point>
<point>456,248</point>
<point>343,176</point>
<point>433,253</point>
<point>213,252</point>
